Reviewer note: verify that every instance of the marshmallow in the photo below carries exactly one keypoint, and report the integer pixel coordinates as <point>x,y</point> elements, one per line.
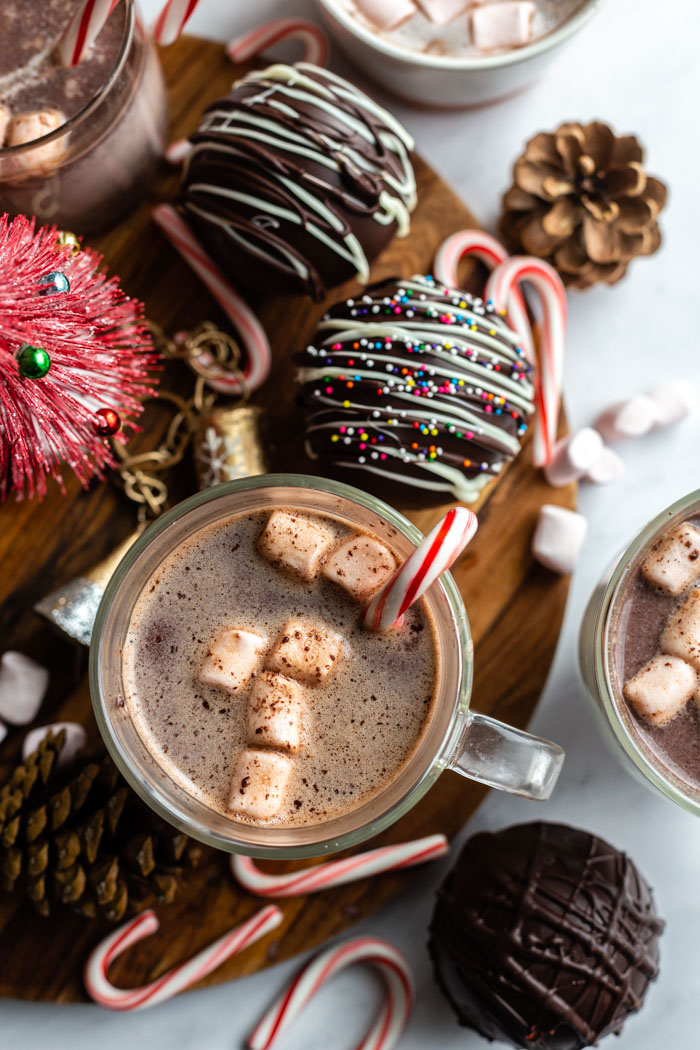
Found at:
<point>74,741</point>
<point>607,469</point>
<point>628,419</point>
<point>232,659</point>
<point>306,651</point>
<point>682,634</point>
<point>23,685</point>
<point>275,711</point>
<point>573,456</point>
<point>558,538</point>
<point>443,11</point>
<point>674,561</point>
<point>28,127</point>
<point>293,542</point>
<point>386,14</point>
<point>360,565</point>
<point>259,784</point>
<point>674,401</point>
<point>661,689</point>
<point>503,25</point>
<point>4,122</point>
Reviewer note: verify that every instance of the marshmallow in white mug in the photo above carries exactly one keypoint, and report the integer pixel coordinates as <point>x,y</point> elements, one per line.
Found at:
<point>674,401</point>
<point>681,636</point>
<point>306,651</point>
<point>74,741</point>
<point>295,543</point>
<point>360,566</point>
<point>259,784</point>
<point>28,127</point>
<point>573,456</point>
<point>232,659</point>
<point>607,469</point>
<point>275,711</point>
<point>386,14</point>
<point>23,685</point>
<point>632,418</point>
<point>673,562</point>
<point>441,12</point>
<point>558,538</point>
<point>502,26</point>
<point>661,688</point>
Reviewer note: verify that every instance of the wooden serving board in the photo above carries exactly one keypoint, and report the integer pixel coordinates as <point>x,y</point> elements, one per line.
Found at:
<point>515,607</point>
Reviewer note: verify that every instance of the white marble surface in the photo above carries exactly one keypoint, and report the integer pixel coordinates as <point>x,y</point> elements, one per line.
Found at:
<point>637,68</point>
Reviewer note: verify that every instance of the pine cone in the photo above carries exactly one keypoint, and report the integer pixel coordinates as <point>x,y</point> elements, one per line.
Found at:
<point>581,200</point>
<point>82,838</point>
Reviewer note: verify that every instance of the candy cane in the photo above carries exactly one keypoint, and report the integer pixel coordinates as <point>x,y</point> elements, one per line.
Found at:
<point>180,977</point>
<point>254,339</point>
<point>552,295</point>
<point>337,872</point>
<point>432,557</point>
<point>393,1016</point>
<point>177,152</point>
<point>315,41</point>
<point>172,20</point>
<point>83,29</point>
<point>491,252</point>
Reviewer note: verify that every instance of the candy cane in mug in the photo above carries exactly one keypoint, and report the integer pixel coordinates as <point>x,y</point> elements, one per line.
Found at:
<point>337,872</point>
<point>180,977</point>
<point>172,20</point>
<point>393,1017</point>
<point>314,40</point>
<point>83,29</point>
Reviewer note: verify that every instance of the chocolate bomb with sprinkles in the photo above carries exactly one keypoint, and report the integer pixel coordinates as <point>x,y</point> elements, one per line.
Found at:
<point>297,180</point>
<point>544,936</point>
<point>416,391</point>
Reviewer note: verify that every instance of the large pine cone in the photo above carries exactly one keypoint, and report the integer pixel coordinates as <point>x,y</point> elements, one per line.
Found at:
<point>582,201</point>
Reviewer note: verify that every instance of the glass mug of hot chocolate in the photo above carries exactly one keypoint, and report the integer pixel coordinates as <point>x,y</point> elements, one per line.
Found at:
<point>640,653</point>
<point>240,695</point>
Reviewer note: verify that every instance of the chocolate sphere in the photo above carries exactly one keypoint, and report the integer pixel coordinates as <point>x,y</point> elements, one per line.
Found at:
<point>297,180</point>
<point>544,937</point>
<point>415,390</point>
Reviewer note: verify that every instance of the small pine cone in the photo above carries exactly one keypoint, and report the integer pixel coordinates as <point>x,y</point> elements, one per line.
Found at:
<point>581,200</point>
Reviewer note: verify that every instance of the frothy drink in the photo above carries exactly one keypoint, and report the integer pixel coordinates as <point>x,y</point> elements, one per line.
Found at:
<point>656,651</point>
<point>253,683</point>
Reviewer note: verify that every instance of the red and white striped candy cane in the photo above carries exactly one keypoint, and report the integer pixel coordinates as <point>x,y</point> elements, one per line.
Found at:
<point>180,977</point>
<point>432,557</point>
<point>315,41</point>
<point>547,283</point>
<point>172,20</point>
<point>83,29</point>
<point>393,1017</point>
<point>337,872</point>
<point>247,325</point>
<point>491,252</point>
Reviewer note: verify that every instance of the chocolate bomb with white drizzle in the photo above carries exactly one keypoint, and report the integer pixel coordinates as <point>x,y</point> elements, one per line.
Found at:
<point>416,390</point>
<point>297,180</point>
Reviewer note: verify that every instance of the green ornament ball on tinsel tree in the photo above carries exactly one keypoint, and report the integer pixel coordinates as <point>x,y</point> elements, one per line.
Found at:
<point>33,361</point>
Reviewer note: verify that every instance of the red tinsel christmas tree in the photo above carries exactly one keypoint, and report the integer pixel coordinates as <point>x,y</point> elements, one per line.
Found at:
<point>75,354</point>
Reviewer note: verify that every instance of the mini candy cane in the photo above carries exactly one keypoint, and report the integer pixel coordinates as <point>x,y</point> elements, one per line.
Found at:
<point>393,1016</point>
<point>432,557</point>
<point>83,29</point>
<point>491,252</point>
<point>552,295</point>
<point>180,977</point>
<point>257,347</point>
<point>337,872</point>
<point>315,41</point>
<point>176,153</point>
<point>172,20</point>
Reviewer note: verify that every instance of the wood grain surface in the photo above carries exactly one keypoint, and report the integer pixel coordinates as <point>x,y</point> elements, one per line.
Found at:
<point>515,607</point>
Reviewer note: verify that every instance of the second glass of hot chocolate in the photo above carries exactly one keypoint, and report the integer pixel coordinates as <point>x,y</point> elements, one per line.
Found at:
<point>239,692</point>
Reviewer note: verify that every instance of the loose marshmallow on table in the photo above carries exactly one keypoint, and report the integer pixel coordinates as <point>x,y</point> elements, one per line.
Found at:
<point>607,469</point>
<point>674,401</point>
<point>306,651</point>
<point>558,538</point>
<point>75,740</point>
<point>259,784</point>
<point>360,565</point>
<point>294,542</point>
<point>628,419</point>
<point>661,688</point>
<point>674,560</point>
<point>275,711</point>
<point>573,456</point>
<point>503,25</point>
<point>28,127</point>
<point>232,659</point>
<point>682,634</point>
<point>443,11</point>
<point>23,685</point>
<point>386,14</point>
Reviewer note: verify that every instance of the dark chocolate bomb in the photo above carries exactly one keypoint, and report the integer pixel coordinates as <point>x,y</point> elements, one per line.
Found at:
<point>544,936</point>
<point>415,390</point>
<point>297,180</point>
